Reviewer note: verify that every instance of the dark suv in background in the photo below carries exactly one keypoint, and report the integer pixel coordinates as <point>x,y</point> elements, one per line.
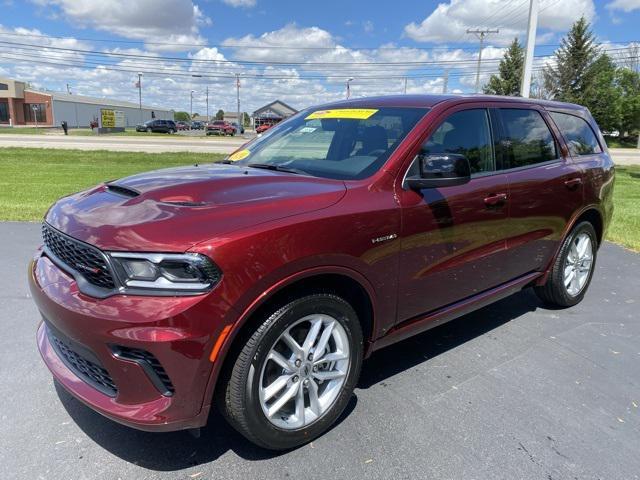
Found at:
<point>157,126</point>
<point>260,284</point>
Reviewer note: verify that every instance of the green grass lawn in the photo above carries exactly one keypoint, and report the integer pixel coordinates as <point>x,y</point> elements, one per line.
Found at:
<point>31,179</point>
<point>625,227</point>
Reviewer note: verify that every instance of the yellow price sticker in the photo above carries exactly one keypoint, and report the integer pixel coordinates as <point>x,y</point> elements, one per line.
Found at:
<point>239,155</point>
<point>346,113</point>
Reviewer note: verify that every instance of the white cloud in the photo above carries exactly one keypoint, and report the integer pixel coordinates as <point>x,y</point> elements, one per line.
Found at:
<point>240,3</point>
<point>168,21</point>
<point>450,21</point>
<point>624,5</point>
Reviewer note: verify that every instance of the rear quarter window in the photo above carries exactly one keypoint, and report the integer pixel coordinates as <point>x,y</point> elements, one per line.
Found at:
<point>580,136</point>
<point>526,138</point>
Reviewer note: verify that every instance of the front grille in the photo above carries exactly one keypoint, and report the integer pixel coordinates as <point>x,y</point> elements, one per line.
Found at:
<point>150,364</point>
<point>89,371</point>
<point>80,257</point>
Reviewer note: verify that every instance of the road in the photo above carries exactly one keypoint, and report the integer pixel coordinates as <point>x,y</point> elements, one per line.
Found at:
<point>184,143</point>
<point>625,156</point>
<point>513,391</point>
<point>150,144</point>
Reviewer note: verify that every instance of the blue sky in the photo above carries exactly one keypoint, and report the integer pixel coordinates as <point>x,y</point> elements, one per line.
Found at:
<point>377,43</point>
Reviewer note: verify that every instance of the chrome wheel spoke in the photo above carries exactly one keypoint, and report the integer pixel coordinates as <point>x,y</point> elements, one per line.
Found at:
<point>569,278</point>
<point>292,344</point>
<point>277,385</point>
<point>328,374</point>
<point>331,357</point>
<point>324,339</point>
<point>300,406</point>
<point>310,340</point>
<point>286,396</point>
<point>314,401</point>
<point>280,360</point>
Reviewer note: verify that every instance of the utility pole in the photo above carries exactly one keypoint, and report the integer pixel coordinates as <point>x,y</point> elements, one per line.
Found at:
<point>445,81</point>
<point>140,95</point>
<point>68,89</point>
<point>191,108</point>
<point>405,85</point>
<point>349,80</point>
<point>481,34</point>
<point>207,96</point>
<point>238,98</point>
<point>525,85</point>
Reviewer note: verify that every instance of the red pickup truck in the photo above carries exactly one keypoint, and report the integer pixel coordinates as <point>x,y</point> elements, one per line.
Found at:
<point>220,127</point>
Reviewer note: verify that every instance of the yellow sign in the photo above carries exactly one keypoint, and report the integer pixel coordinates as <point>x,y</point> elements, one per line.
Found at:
<point>108,118</point>
<point>347,113</point>
<point>239,155</point>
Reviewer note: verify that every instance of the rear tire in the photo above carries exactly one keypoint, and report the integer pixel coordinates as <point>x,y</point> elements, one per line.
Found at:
<point>308,352</point>
<point>572,269</point>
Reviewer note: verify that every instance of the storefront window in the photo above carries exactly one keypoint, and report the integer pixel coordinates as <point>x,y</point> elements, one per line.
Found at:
<point>4,112</point>
<point>37,114</point>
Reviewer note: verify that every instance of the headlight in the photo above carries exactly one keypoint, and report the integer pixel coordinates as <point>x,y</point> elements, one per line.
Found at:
<point>170,272</point>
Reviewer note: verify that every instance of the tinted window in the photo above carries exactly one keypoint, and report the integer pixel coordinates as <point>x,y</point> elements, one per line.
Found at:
<point>579,135</point>
<point>466,133</point>
<point>527,139</point>
<point>4,86</point>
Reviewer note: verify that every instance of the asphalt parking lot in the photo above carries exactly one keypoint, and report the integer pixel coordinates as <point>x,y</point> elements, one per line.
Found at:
<point>512,391</point>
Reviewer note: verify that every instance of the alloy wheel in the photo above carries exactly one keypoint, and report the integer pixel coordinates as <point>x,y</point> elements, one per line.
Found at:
<point>578,264</point>
<point>304,372</point>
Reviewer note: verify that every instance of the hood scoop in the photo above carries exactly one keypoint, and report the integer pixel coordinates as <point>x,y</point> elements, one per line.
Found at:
<point>120,190</point>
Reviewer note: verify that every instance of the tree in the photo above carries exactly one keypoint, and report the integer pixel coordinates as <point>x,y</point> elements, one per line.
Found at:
<point>246,119</point>
<point>220,115</point>
<point>602,96</point>
<point>181,116</point>
<point>195,115</point>
<point>629,83</point>
<point>507,82</point>
<point>572,74</point>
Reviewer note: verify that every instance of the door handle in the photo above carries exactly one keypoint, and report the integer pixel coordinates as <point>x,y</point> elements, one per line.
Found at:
<point>495,199</point>
<point>573,183</point>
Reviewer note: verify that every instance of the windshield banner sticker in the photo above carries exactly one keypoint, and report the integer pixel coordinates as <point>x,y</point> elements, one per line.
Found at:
<point>239,155</point>
<point>346,113</point>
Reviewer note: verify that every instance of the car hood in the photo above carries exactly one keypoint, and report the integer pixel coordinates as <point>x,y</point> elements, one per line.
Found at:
<point>173,209</point>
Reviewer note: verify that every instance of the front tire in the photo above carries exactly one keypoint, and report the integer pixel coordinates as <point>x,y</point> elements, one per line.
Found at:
<point>572,269</point>
<point>295,375</point>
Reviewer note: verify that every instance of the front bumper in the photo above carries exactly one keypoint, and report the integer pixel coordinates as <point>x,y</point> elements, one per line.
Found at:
<point>177,331</point>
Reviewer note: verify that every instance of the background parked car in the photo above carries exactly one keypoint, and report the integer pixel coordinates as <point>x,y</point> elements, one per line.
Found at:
<point>157,126</point>
<point>183,126</point>
<point>263,128</point>
<point>197,125</point>
<point>239,128</point>
<point>220,127</point>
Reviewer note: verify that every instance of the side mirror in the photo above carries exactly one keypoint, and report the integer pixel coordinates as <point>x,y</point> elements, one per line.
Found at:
<point>440,170</point>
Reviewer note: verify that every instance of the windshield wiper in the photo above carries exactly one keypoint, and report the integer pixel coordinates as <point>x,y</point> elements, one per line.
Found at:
<point>277,168</point>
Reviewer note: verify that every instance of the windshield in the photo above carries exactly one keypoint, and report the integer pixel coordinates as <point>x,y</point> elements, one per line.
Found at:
<point>341,143</point>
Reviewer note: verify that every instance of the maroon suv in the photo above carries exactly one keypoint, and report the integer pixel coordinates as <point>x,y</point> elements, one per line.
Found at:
<point>260,284</point>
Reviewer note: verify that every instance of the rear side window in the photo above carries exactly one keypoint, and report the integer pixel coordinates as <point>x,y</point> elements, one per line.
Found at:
<point>579,134</point>
<point>526,138</point>
<point>466,133</point>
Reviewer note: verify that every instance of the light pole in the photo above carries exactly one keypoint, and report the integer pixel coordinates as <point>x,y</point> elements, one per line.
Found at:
<point>238,99</point>
<point>191,108</point>
<point>140,95</point>
<point>525,85</point>
<point>349,80</point>
<point>207,94</point>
